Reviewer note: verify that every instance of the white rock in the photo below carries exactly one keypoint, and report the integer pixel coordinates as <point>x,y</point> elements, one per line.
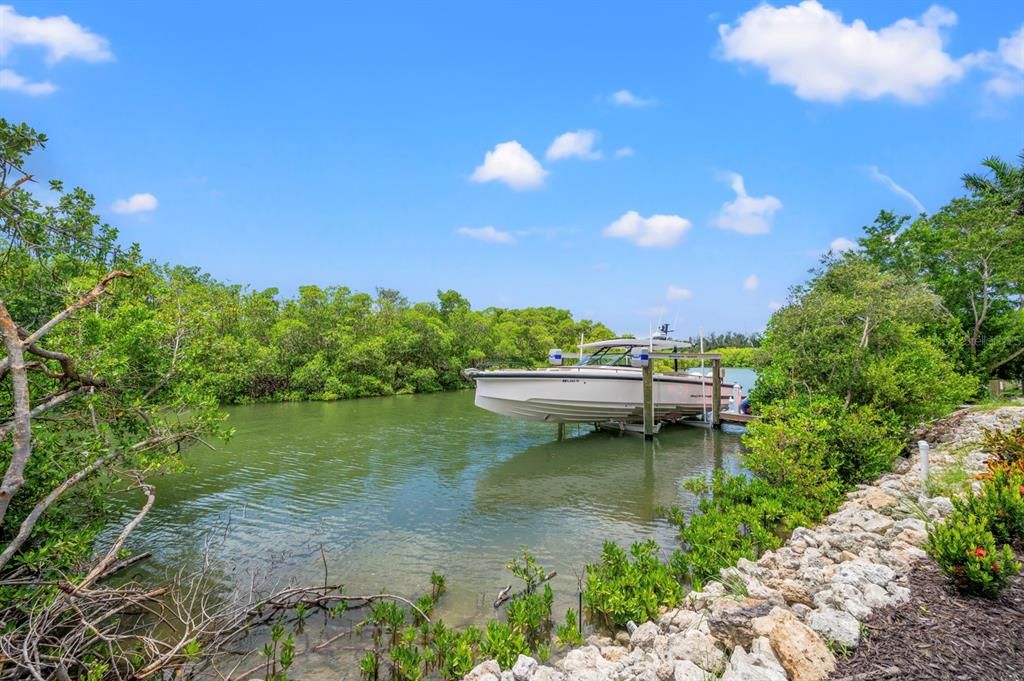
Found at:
<point>685,670</point>
<point>544,673</point>
<point>524,668</point>
<point>489,670</point>
<point>644,635</point>
<point>836,625</point>
<point>698,647</point>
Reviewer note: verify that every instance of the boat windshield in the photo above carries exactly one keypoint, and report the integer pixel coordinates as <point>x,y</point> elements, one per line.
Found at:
<point>607,357</point>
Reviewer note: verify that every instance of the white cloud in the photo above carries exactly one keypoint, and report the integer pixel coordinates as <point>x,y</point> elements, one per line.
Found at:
<point>136,203</point>
<point>841,244</point>
<point>751,282</point>
<point>579,144</point>
<point>878,176</point>
<point>1011,49</point>
<point>59,37</point>
<point>628,99</point>
<point>812,50</point>
<point>659,231</point>
<point>9,80</point>
<point>624,152</point>
<point>747,214</point>
<point>774,305</point>
<point>674,292</point>
<point>1006,66</point>
<point>512,164</point>
<point>488,233</point>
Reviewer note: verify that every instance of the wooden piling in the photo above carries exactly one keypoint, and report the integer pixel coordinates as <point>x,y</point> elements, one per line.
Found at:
<point>716,393</point>
<point>648,372</point>
<point>561,431</point>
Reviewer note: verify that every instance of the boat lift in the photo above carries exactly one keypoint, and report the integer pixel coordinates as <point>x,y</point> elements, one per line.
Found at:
<point>647,365</point>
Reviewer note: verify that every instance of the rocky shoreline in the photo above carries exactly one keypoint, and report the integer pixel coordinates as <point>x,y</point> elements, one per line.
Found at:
<point>788,615</point>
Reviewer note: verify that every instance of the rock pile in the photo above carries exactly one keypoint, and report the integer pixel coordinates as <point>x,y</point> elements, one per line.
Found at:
<point>788,614</point>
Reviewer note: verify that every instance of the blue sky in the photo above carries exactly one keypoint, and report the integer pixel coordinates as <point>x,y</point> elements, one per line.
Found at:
<point>348,144</point>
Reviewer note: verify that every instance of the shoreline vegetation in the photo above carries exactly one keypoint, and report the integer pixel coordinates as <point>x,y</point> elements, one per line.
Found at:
<point>113,366</point>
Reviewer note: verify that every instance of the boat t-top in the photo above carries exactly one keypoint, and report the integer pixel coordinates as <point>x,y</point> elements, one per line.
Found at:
<point>605,386</point>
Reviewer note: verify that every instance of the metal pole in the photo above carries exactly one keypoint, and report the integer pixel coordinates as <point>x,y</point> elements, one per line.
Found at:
<point>716,393</point>
<point>648,372</point>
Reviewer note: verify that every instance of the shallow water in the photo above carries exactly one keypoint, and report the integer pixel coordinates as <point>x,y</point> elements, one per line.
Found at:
<point>396,487</point>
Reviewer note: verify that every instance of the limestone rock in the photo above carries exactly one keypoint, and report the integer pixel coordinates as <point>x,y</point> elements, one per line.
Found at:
<point>644,635</point>
<point>729,621</point>
<point>876,499</point>
<point>685,670</point>
<point>543,673</point>
<point>485,671</point>
<point>800,651</point>
<point>794,592</point>
<point>836,625</point>
<point>753,666</point>
<point>507,676</point>
<point>524,668</point>
<point>581,661</point>
<point>697,647</point>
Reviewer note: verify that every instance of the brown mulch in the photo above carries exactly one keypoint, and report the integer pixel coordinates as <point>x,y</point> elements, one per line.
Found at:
<point>940,634</point>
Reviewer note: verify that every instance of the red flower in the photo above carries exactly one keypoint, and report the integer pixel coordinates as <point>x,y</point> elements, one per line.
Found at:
<point>1021,490</point>
<point>980,552</point>
<point>995,567</point>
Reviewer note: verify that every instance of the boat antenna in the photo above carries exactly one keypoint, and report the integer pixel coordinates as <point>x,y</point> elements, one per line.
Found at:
<point>703,378</point>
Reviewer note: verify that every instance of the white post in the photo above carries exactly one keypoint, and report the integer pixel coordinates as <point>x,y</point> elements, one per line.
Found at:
<point>923,448</point>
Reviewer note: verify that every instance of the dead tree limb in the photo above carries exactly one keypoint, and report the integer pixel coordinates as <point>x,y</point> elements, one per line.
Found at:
<point>115,548</point>
<point>14,475</point>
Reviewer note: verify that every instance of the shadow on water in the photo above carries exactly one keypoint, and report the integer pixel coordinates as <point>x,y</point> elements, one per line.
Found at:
<point>617,476</point>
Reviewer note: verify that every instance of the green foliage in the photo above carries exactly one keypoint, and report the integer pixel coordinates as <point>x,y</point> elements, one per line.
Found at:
<point>525,568</point>
<point>568,634</point>
<point>737,357</point>
<point>966,552</point>
<point>619,589</point>
<point>865,337</point>
<point>504,643</point>
<point>1006,446</point>
<point>1001,502</point>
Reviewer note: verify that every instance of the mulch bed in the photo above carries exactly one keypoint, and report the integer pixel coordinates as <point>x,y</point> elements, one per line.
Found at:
<point>940,634</point>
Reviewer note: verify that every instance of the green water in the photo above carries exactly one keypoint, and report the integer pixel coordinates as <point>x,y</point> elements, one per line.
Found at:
<point>396,487</point>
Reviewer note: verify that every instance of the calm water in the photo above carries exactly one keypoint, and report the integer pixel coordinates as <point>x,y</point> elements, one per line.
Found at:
<point>396,487</point>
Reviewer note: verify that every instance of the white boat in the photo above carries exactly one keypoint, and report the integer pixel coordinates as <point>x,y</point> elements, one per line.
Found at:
<point>604,387</point>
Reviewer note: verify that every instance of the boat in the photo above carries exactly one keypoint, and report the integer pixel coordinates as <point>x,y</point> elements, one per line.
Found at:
<point>604,387</point>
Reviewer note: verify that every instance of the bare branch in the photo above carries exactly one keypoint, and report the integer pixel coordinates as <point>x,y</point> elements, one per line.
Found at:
<point>50,403</point>
<point>14,475</point>
<point>40,508</point>
<point>115,548</point>
<point>86,300</point>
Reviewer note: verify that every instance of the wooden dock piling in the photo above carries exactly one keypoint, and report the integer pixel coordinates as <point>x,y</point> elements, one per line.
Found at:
<point>716,392</point>
<point>648,372</point>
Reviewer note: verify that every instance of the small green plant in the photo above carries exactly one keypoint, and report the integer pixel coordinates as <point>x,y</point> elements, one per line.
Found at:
<point>504,644</point>
<point>530,615</point>
<point>369,665</point>
<point>966,552</point>
<point>568,634</point>
<point>525,568</point>
<point>280,653</point>
<point>1006,446</point>
<point>620,589</point>
<point>1001,503</point>
<point>437,585</point>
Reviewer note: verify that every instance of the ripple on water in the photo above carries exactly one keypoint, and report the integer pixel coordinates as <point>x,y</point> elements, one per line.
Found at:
<point>394,488</point>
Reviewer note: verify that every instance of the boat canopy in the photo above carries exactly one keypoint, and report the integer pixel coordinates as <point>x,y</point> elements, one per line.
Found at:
<point>655,343</point>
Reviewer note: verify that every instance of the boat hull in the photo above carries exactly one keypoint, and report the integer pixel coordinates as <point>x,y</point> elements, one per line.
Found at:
<point>591,394</point>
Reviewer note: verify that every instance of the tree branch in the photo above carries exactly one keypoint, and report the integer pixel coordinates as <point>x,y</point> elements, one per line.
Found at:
<point>14,475</point>
<point>43,407</point>
<point>115,548</point>
<point>30,520</point>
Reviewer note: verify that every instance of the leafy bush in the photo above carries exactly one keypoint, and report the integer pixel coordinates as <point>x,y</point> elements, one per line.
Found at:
<point>504,643</point>
<point>1006,446</point>
<point>619,589</point>
<point>966,552</point>
<point>1000,502</point>
<point>568,634</point>
<point>530,615</point>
